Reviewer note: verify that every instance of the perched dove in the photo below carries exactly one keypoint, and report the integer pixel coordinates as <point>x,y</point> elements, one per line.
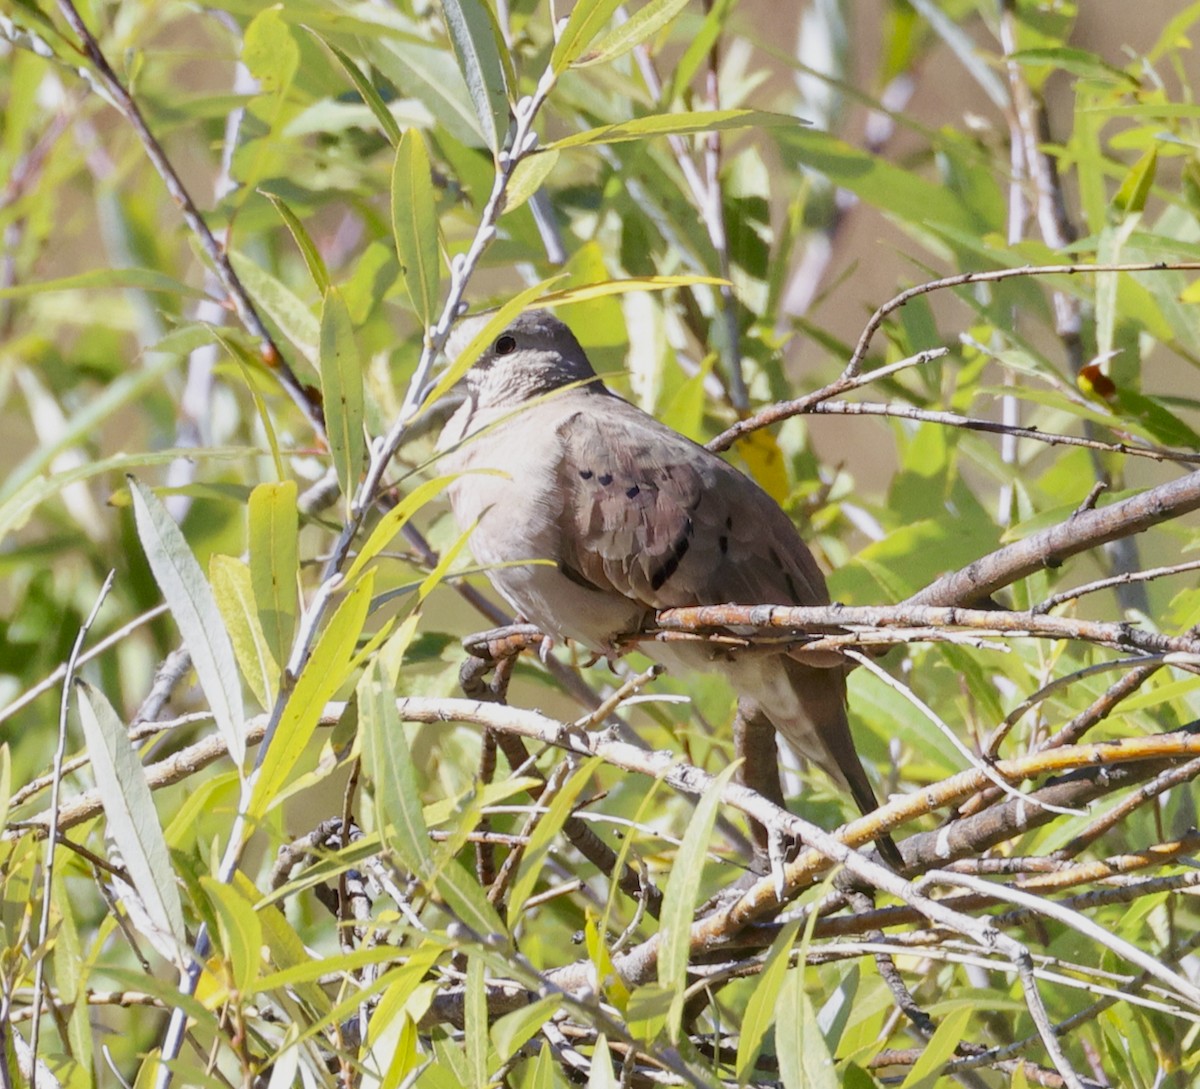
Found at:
<point>633,517</point>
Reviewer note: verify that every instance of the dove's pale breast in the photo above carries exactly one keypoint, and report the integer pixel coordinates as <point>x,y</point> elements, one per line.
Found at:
<point>511,491</point>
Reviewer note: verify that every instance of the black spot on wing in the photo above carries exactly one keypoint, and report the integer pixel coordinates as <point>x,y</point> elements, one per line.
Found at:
<point>632,491</point>
<point>604,479</point>
<point>586,474</point>
<point>671,564</point>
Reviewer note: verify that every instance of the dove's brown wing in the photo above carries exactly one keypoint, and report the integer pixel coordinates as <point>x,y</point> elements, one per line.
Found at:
<point>650,515</point>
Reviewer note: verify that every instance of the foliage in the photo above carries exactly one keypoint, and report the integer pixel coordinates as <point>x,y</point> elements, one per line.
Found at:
<point>241,428</point>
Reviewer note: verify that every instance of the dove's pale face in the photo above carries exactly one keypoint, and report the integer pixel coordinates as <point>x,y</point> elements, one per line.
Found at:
<point>536,354</point>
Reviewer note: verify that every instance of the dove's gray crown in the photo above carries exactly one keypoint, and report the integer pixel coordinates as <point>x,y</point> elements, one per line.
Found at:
<point>543,356</point>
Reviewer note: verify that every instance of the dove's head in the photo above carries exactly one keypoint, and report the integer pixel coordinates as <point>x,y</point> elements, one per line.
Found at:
<point>535,355</point>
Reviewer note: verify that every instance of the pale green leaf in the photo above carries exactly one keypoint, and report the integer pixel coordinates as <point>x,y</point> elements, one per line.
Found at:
<point>474,35</point>
<point>475,1022</point>
<point>683,123</point>
<point>544,835</point>
<point>195,612</point>
<point>940,1050</point>
<point>527,178</point>
<point>415,226</point>
<point>601,1075</point>
<point>514,1029</point>
<point>241,934</point>
<point>326,670</point>
<point>679,897</point>
<point>761,1009</point>
<point>273,525</point>
<point>387,757</point>
<point>139,279</point>
<point>342,393</point>
<point>643,24</point>
<point>587,19</point>
<point>233,592</point>
<point>129,810</point>
<point>369,94</point>
<point>304,243</point>
<point>270,51</point>
<point>294,318</point>
<point>394,521</point>
<point>804,1058</point>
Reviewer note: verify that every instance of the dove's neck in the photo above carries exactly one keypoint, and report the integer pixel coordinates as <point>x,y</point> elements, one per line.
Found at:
<point>511,382</point>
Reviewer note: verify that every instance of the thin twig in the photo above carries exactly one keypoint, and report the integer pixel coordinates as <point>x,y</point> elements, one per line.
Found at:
<point>53,828</point>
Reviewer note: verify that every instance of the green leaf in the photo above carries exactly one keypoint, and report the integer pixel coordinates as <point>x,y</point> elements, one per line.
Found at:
<point>139,279</point>
<point>939,1051</point>
<point>513,1030</point>
<point>527,178</point>
<point>5,782</point>
<point>304,243</point>
<point>270,51</point>
<point>1131,197</point>
<point>273,525</point>
<point>474,36</point>
<point>241,935</point>
<point>544,835</point>
<point>679,898</point>
<point>683,123</point>
<point>415,226</point>
<point>342,393</point>
<point>397,794</point>
<point>195,612</point>
<point>761,1009</point>
<point>804,1058</point>
<point>643,24</point>
<point>281,305</point>
<point>431,75</point>
<point>233,591</point>
<point>395,519</point>
<point>587,19</point>
<point>475,1022</point>
<point>466,900</point>
<point>369,95</point>
<point>1078,62</point>
<point>132,820</point>
<point>601,1075</point>
<point>604,288</point>
<point>326,670</point>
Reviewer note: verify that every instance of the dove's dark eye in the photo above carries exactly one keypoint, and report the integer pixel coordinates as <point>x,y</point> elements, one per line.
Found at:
<point>506,345</point>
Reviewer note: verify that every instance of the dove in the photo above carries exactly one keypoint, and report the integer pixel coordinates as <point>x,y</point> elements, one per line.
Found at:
<point>592,515</point>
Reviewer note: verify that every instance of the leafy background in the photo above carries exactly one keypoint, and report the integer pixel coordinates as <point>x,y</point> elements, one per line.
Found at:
<point>344,154</point>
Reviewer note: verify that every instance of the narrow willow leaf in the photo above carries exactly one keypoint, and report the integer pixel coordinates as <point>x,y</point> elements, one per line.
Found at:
<point>804,1058</point>
<point>281,305</point>
<point>515,1029</point>
<point>195,612</point>
<point>761,1009</point>
<point>604,288</point>
<point>643,24</point>
<point>241,934</point>
<point>233,592</point>
<point>415,225</point>
<point>684,123</point>
<point>129,810</point>
<point>527,178</point>
<point>326,670</point>
<point>392,522</point>
<point>587,19</point>
<point>601,1075</point>
<point>387,757</point>
<point>270,51</point>
<point>140,279</point>
<point>467,901</point>
<point>544,835</point>
<point>369,95</point>
<point>1131,197</point>
<point>304,243</point>
<point>342,393</point>
<point>679,897</point>
<point>474,37</point>
<point>431,75</point>
<point>272,528</point>
<point>475,1022</point>
<point>940,1050</point>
